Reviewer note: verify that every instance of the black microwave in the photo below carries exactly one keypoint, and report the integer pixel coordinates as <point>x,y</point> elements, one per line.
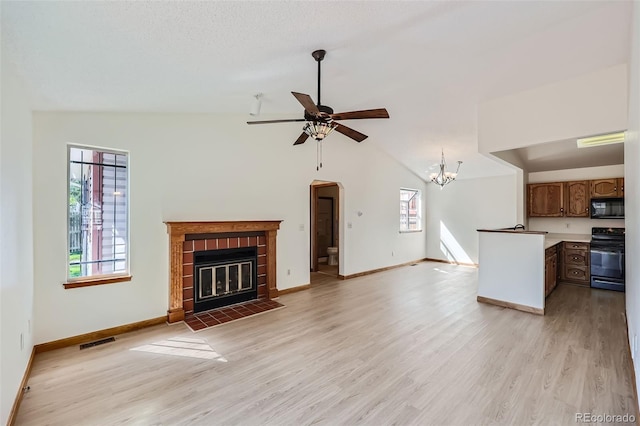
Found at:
<point>607,208</point>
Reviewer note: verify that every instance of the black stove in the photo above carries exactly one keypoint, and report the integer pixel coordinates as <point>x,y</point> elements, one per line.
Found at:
<point>607,258</point>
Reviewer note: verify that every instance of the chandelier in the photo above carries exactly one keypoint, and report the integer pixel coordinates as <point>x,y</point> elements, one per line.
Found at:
<point>444,177</point>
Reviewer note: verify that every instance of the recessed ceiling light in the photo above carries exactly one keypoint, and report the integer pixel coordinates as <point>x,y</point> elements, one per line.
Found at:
<point>598,140</point>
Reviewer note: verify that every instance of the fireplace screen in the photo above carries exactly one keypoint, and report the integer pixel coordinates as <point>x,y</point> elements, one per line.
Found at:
<point>224,277</point>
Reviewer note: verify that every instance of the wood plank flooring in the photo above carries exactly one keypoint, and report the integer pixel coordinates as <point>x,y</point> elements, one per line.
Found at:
<point>405,346</point>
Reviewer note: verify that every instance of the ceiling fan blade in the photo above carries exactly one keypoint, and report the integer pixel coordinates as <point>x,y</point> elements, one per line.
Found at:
<point>276,121</point>
<point>367,113</point>
<point>353,134</point>
<point>302,139</point>
<point>307,103</point>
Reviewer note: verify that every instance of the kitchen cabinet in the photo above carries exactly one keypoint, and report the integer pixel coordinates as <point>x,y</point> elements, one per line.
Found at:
<point>545,199</point>
<point>559,257</point>
<point>550,270</point>
<point>576,263</point>
<point>577,199</point>
<point>569,199</point>
<point>602,188</point>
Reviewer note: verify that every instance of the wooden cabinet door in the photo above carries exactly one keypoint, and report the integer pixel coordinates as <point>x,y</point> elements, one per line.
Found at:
<point>604,188</point>
<point>549,274</point>
<point>559,261</point>
<point>577,199</point>
<point>620,187</point>
<point>545,199</point>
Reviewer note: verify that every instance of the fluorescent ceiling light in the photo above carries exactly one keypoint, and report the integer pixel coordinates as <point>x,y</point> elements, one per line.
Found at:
<point>598,140</point>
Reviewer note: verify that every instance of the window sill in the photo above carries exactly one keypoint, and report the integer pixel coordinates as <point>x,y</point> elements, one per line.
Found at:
<point>98,281</point>
<point>411,231</point>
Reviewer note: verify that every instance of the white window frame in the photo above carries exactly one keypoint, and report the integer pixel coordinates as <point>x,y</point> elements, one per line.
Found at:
<point>108,277</point>
<point>404,228</point>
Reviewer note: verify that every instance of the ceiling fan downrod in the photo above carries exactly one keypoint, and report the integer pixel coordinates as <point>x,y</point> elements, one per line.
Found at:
<point>318,55</point>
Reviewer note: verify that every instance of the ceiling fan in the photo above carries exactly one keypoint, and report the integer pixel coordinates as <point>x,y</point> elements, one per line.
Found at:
<point>321,120</point>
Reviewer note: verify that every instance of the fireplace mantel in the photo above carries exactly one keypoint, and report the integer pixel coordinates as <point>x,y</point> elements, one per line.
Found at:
<point>177,232</point>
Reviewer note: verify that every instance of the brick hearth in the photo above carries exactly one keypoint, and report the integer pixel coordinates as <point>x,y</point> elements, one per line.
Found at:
<point>189,237</point>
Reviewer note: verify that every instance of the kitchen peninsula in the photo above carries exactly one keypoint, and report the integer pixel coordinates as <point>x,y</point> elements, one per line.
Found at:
<point>518,269</point>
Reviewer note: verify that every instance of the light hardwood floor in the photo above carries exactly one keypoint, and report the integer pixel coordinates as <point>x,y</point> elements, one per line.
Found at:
<point>405,346</point>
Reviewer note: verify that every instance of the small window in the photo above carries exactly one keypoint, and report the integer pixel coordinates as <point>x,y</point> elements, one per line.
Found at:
<point>98,229</point>
<point>410,207</point>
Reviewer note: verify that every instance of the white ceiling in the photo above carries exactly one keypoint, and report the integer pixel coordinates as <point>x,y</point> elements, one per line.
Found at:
<point>428,63</point>
<point>554,156</point>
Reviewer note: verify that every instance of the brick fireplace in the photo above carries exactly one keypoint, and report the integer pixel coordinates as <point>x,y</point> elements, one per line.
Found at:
<point>187,238</point>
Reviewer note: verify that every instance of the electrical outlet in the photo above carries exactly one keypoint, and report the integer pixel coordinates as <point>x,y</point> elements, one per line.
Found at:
<point>21,341</point>
<point>288,271</point>
<point>392,253</point>
<point>567,225</point>
<point>301,227</point>
<point>349,225</point>
<point>29,326</point>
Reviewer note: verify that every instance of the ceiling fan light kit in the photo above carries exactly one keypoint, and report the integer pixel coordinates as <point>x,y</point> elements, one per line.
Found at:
<point>444,177</point>
<point>320,120</point>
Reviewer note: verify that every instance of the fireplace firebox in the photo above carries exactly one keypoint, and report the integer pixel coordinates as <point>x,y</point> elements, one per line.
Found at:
<point>224,277</point>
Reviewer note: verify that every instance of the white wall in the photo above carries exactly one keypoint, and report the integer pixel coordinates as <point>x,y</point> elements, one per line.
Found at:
<point>576,225</point>
<point>512,268</point>
<point>206,167</point>
<point>586,105</point>
<point>632,190</point>
<point>460,208</point>
<point>16,237</point>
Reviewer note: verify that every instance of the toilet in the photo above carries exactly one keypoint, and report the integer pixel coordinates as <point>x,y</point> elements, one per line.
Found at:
<point>333,255</point>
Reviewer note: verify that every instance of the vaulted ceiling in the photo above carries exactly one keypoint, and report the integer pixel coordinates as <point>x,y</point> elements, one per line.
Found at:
<point>429,63</point>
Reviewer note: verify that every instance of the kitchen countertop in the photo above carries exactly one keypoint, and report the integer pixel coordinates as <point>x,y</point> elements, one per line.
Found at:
<point>551,240</point>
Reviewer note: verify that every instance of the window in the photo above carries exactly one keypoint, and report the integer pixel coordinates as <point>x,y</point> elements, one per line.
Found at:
<point>410,217</point>
<point>98,214</point>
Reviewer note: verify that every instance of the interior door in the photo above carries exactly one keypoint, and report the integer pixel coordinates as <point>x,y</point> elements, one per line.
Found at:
<point>324,225</point>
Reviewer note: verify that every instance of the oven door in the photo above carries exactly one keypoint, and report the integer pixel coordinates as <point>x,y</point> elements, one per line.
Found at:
<point>607,262</point>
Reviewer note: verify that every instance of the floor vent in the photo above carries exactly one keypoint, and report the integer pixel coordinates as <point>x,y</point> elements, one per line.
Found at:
<point>97,342</point>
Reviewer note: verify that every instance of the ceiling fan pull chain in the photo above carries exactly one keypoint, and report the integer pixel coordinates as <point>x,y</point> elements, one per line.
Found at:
<point>317,157</point>
<point>320,153</point>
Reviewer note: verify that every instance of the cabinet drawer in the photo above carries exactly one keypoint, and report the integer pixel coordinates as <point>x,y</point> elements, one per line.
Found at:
<point>576,273</point>
<point>576,257</point>
<point>576,246</point>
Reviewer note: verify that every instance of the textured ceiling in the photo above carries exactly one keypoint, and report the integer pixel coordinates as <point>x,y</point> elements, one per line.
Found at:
<point>428,63</point>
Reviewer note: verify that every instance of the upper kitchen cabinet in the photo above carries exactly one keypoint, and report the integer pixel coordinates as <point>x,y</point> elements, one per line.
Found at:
<point>545,199</point>
<point>577,199</point>
<point>613,187</point>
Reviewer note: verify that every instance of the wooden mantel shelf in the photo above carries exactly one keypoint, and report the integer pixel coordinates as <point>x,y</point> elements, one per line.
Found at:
<point>182,228</point>
<point>177,232</point>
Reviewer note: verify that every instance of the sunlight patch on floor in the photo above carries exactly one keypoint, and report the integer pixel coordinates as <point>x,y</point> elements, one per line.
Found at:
<point>182,346</point>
